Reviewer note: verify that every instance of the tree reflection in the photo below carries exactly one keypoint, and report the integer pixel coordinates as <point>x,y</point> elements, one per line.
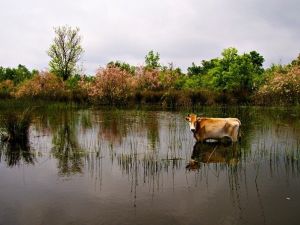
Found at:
<point>66,147</point>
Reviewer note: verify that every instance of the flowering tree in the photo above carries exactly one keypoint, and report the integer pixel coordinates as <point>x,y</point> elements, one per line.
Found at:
<point>111,85</point>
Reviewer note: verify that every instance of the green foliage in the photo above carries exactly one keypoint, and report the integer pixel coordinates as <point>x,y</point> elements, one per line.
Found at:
<point>235,72</point>
<point>202,69</point>
<point>65,51</point>
<point>188,82</point>
<point>17,75</point>
<point>152,60</point>
<point>296,62</point>
<point>194,69</point>
<point>232,72</point>
<point>123,66</point>
<point>73,82</point>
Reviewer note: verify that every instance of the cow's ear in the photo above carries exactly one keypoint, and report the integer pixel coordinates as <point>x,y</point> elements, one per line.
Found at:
<point>187,118</point>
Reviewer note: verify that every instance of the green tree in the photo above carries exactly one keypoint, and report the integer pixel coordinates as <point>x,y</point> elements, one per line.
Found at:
<point>65,51</point>
<point>194,70</point>
<point>17,75</point>
<point>234,72</point>
<point>152,60</point>
<point>202,69</point>
<point>123,66</point>
<point>296,61</point>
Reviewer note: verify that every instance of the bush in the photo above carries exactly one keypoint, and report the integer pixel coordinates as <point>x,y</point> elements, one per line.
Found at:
<point>281,88</point>
<point>44,85</point>
<point>148,79</point>
<point>76,87</point>
<point>112,85</point>
<point>6,89</point>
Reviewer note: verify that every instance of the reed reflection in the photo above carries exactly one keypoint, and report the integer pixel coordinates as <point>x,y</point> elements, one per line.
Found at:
<point>14,154</point>
<point>14,133</point>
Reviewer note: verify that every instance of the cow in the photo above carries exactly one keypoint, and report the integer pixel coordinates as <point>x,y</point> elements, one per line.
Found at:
<point>205,128</point>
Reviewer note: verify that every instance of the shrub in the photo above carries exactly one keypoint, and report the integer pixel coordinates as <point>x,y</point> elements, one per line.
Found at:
<point>44,85</point>
<point>281,88</point>
<point>112,85</point>
<point>76,88</point>
<point>6,88</point>
<point>168,78</point>
<point>148,79</point>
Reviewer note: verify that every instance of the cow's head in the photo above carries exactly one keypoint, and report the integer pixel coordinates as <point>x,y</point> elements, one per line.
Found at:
<point>192,119</point>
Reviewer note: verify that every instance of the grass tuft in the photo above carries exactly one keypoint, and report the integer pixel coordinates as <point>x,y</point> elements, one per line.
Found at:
<point>16,127</point>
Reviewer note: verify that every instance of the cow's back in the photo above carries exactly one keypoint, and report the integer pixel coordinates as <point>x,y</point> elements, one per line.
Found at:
<point>217,128</point>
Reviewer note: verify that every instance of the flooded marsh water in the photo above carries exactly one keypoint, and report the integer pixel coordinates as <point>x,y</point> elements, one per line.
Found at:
<point>92,166</point>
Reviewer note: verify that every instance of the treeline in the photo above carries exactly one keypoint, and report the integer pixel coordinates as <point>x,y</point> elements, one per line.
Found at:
<point>232,78</point>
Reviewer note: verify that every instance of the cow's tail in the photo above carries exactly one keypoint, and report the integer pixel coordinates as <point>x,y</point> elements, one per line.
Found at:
<point>239,131</point>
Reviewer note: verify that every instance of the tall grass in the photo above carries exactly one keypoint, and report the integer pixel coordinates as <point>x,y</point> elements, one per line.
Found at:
<point>16,127</point>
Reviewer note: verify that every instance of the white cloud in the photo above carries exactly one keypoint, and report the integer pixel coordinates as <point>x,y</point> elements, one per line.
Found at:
<point>181,31</point>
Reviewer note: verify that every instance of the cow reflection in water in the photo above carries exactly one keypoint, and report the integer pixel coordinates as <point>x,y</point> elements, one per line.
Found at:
<point>213,152</point>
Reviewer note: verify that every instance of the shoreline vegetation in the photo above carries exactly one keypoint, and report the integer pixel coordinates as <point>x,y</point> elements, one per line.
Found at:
<point>231,79</point>
<point>122,84</point>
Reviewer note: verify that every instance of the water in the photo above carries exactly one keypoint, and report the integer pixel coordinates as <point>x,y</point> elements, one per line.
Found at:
<point>106,166</point>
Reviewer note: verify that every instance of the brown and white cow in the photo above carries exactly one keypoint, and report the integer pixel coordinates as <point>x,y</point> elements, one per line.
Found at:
<point>214,128</point>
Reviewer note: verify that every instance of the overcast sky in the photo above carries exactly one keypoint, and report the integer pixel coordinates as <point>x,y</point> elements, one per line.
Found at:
<point>182,31</point>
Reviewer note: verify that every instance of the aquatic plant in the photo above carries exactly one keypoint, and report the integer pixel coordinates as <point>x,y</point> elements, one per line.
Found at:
<point>16,127</point>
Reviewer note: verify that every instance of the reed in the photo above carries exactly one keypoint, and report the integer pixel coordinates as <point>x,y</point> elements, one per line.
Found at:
<point>16,127</point>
